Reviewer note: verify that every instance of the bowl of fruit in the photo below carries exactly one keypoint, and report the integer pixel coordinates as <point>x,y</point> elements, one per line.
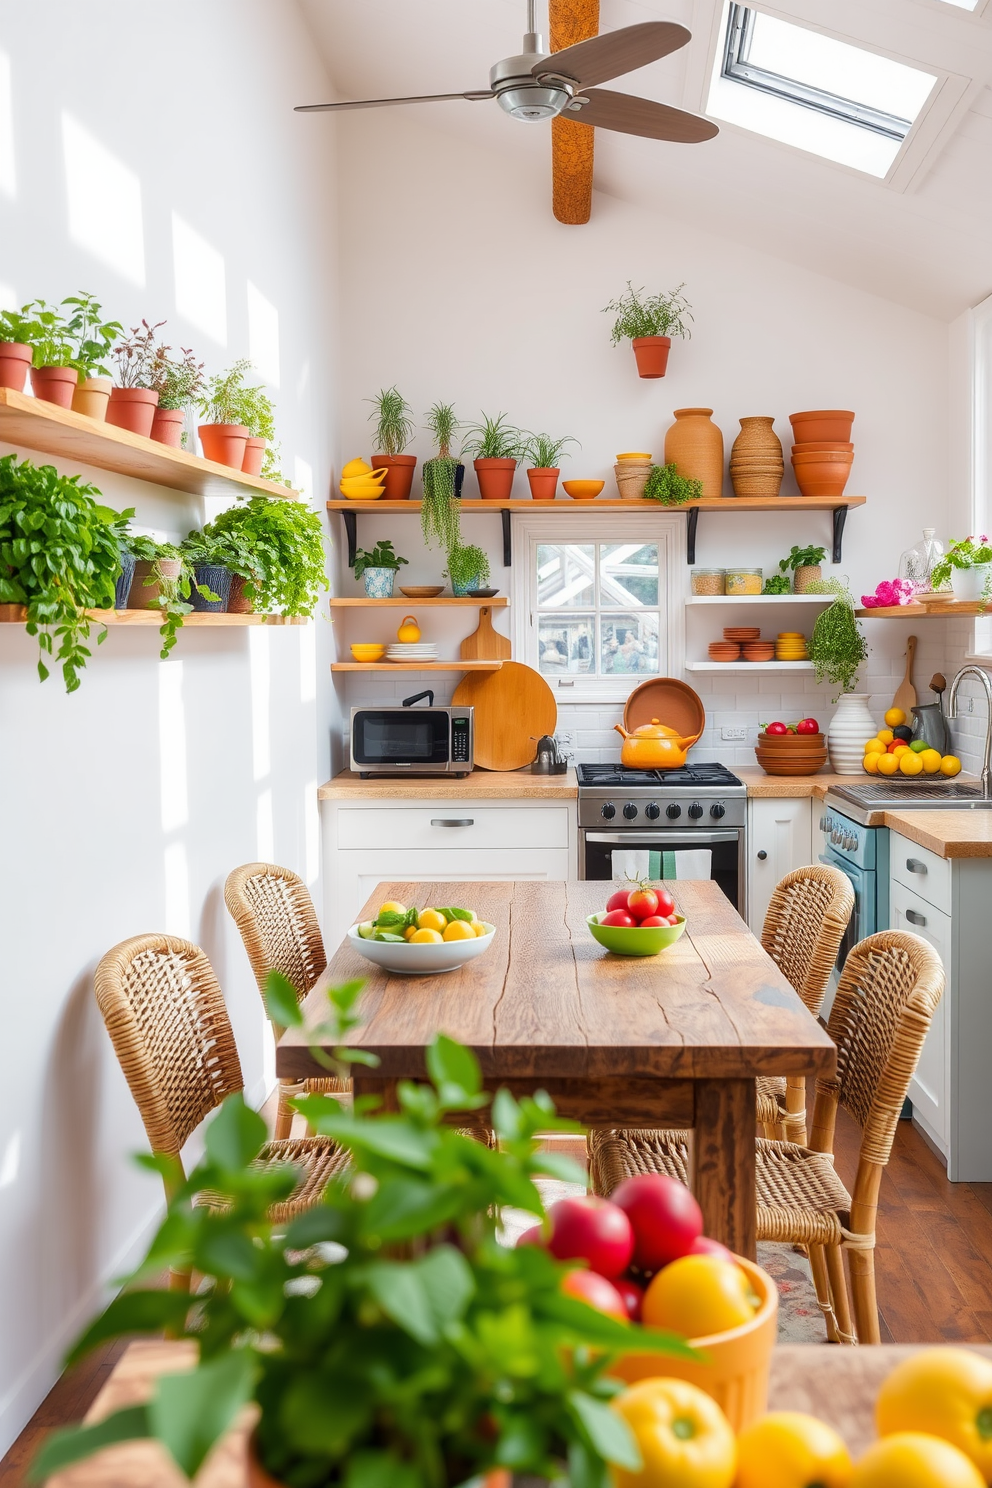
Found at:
<point>791,748</point>
<point>638,921</point>
<point>895,753</point>
<point>421,942</point>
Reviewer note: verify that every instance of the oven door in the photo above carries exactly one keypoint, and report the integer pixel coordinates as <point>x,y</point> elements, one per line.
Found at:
<point>596,854</point>
<point>863,916</point>
<point>398,738</point>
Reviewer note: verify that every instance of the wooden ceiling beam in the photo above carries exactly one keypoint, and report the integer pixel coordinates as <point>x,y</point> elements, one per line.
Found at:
<point>572,144</point>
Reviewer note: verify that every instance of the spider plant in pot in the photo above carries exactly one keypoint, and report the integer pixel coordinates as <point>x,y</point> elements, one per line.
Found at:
<point>224,433</point>
<point>164,580</point>
<point>178,380</point>
<point>649,322</point>
<point>134,397</point>
<point>53,373</point>
<point>544,454</point>
<point>93,339</point>
<point>285,544</point>
<point>378,569</point>
<point>394,428</point>
<point>468,569</point>
<point>497,445</point>
<point>15,350</point>
<point>440,519</point>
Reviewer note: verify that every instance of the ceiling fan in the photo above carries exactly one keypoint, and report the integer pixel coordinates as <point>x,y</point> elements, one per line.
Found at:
<point>537,85</point>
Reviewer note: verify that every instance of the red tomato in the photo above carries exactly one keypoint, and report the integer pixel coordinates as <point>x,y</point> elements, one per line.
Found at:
<point>653,921</point>
<point>631,1295</point>
<point>807,726</point>
<point>619,917</point>
<point>642,903</point>
<point>618,900</point>
<point>666,904</point>
<point>533,1236</point>
<point>594,1230</point>
<point>594,1289</point>
<point>703,1245</point>
<point>665,1217</point>
<point>776,728</point>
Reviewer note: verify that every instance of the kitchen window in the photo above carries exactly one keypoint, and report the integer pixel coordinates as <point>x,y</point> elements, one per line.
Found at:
<point>981,454</point>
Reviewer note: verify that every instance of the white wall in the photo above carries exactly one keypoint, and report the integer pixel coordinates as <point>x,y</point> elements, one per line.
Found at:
<point>125,805</point>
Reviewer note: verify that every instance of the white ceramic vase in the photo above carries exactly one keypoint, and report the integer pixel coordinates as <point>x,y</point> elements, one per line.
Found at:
<point>969,583</point>
<point>850,729</point>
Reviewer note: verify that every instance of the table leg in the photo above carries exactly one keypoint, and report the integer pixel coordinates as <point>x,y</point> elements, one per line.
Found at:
<point>723,1162</point>
<point>368,1084</point>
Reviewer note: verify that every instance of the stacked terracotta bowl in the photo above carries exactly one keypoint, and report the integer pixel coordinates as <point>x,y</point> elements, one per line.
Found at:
<point>742,643</point>
<point>758,651</point>
<point>725,651</point>
<point>823,454</point>
<point>791,754</point>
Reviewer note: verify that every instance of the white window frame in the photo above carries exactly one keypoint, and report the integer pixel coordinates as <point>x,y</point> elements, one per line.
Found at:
<point>980,344</point>
<point>661,527</point>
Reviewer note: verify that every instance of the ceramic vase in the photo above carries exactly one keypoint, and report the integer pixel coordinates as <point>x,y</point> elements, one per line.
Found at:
<point>379,583</point>
<point>969,583</point>
<point>695,445</point>
<point>850,727</point>
<point>757,464</point>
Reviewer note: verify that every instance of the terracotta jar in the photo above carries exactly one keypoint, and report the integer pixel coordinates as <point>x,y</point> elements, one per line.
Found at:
<point>495,478</point>
<point>92,397</point>
<point>254,452</point>
<point>224,443</point>
<point>543,482</point>
<point>757,464</point>
<point>145,596</point>
<point>132,409</point>
<point>238,603</point>
<point>54,384</point>
<point>15,359</point>
<point>167,426</point>
<point>651,354</point>
<point>399,474</point>
<point>695,445</point>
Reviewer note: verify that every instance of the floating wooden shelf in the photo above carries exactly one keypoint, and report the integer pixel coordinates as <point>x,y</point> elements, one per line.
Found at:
<point>415,666</point>
<point>405,603</point>
<point>762,599</point>
<point>197,618</point>
<point>37,425</point>
<point>749,666</point>
<point>948,610</point>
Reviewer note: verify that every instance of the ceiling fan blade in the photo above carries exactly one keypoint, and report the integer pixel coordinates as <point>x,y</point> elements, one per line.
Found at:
<point>572,147</point>
<point>616,52</point>
<point>326,108</point>
<point>629,115</point>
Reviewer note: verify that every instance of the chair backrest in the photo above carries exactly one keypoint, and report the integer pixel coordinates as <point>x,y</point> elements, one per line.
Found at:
<point>275,915</point>
<point>887,995</point>
<point>166,1017</point>
<point>805,923</point>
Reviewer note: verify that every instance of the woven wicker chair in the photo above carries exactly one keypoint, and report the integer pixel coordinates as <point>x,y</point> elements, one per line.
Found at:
<point>275,915</point>
<point>166,1017</point>
<point>889,988</point>
<point>803,929</point>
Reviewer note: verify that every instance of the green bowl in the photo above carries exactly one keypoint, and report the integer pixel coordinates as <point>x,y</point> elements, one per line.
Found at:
<point>635,940</point>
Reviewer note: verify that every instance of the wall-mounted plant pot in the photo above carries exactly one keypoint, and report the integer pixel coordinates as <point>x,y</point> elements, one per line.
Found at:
<point>399,475</point>
<point>92,396</point>
<point>254,454</point>
<point>543,482</point>
<point>167,426</point>
<point>132,409</point>
<point>124,580</point>
<point>495,478</point>
<point>15,360</point>
<point>13,614</point>
<point>238,602</point>
<point>224,443</point>
<point>218,580</point>
<point>54,384</point>
<point>651,355</point>
<point>379,583</point>
<point>145,596</point>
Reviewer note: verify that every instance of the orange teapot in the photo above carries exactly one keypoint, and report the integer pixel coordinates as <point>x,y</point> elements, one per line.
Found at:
<point>653,746</point>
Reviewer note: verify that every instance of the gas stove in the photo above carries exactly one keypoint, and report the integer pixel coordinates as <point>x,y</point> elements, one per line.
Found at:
<point>697,796</point>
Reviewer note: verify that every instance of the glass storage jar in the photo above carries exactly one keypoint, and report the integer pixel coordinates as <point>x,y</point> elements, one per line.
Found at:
<point>744,580</point>
<point>708,580</point>
<point>917,564</point>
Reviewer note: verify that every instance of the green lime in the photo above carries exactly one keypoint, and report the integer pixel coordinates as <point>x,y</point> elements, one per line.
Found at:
<point>367,930</point>
<point>918,746</point>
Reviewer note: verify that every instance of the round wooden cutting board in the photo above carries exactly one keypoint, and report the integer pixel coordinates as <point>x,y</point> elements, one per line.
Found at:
<point>513,708</point>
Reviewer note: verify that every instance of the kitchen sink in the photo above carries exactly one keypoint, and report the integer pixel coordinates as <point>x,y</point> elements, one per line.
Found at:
<point>918,796</point>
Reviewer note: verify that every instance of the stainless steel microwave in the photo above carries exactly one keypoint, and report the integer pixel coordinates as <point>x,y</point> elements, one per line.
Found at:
<point>411,741</point>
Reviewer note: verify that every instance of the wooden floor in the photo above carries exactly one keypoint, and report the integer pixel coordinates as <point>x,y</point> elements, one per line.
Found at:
<point>933,1261</point>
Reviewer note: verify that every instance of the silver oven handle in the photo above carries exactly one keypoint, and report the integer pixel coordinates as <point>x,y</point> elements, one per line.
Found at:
<point>915,866</point>
<point>645,838</point>
<point>452,821</point>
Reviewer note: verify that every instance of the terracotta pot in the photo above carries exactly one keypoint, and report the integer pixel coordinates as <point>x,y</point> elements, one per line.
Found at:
<point>819,423</point>
<point>399,474</point>
<point>651,354</point>
<point>238,603</point>
<point>823,447</point>
<point>821,477</point>
<point>254,453</point>
<point>54,384</point>
<point>15,359</point>
<point>167,426</point>
<point>543,482</point>
<point>806,574</point>
<point>13,614</point>
<point>132,409</point>
<point>495,478</point>
<point>92,396</point>
<point>756,461</point>
<point>145,596</point>
<point>695,445</point>
<point>224,443</point>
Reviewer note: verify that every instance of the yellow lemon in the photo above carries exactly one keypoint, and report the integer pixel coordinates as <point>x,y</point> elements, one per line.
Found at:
<point>931,761</point>
<point>431,919</point>
<point>894,717</point>
<point>946,1392</point>
<point>425,937</point>
<point>480,927</point>
<point>874,746</point>
<point>887,764</point>
<point>785,1449</point>
<point>870,761</point>
<point>910,763</point>
<point>459,930</point>
<point>394,905</point>
<point>409,932</point>
<point>698,1295</point>
<point>950,765</point>
<point>912,1459</point>
<point>885,736</point>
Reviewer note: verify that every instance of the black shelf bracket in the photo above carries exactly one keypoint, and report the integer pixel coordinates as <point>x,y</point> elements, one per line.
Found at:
<point>840,517</point>
<point>506,514</point>
<point>349,518</point>
<point>692,522</point>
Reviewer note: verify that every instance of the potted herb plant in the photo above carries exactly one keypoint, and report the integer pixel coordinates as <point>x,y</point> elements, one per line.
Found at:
<point>497,446</point>
<point>15,350</point>
<point>378,569</point>
<point>93,337</point>
<point>468,569</point>
<point>134,397</point>
<point>164,580</point>
<point>215,558</point>
<point>284,541</point>
<point>649,322</point>
<point>805,565</point>
<point>53,375</point>
<point>258,416</point>
<point>394,428</point>
<point>224,433</point>
<point>440,518</point>
<point>967,565</point>
<point>179,383</point>
<point>544,454</point>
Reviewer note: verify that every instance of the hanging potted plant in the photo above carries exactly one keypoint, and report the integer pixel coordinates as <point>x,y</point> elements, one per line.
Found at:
<point>497,446</point>
<point>378,569</point>
<point>440,519</point>
<point>468,569</point>
<point>53,375</point>
<point>134,398</point>
<point>93,339</point>
<point>284,542</point>
<point>394,429</point>
<point>224,433</point>
<point>649,322</point>
<point>544,454</point>
<point>179,383</point>
<point>15,350</point>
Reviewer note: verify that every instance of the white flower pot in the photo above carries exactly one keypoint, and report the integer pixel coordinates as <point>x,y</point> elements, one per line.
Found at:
<point>850,729</point>
<point>969,583</point>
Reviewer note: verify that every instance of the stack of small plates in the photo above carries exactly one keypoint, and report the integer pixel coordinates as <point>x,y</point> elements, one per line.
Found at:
<point>407,651</point>
<point>741,632</point>
<point>790,646</point>
<point>758,651</point>
<point>724,651</point>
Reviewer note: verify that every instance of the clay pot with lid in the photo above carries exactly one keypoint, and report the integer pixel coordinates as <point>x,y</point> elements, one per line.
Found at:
<point>54,384</point>
<point>15,362</point>
<point>651,355</point>
<point>694,445</point>
<point>399,475</point>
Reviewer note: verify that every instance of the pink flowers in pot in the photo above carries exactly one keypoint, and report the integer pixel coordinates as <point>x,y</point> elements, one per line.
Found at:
<point>890,592</point>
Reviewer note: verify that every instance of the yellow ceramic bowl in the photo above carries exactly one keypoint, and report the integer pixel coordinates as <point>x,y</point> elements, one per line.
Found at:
<point>583,490</point>
<point>635,455</point>
<point>367,490</point>
<point>355,467</point>
<point>368,651</point>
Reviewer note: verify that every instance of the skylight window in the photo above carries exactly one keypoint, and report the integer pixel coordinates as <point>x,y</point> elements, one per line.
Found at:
<point>808,90</point>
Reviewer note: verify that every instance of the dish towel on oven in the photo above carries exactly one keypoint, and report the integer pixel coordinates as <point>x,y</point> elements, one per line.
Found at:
<point>637,864</point>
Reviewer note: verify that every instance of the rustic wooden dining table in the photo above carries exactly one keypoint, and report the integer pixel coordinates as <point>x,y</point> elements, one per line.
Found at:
<point>674,1040</point>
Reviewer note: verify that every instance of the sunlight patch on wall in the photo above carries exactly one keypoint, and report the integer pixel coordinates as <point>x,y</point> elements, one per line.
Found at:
<point>308,663</point>
<point>261,687</point>
<point>303,476</point>
<point>10,1163</point>
<point>311,828</point>
<point>263,334</point>
<point>8,175</point>
<point>104,202</point>
<point>264,828</point>
<point>201,283</point>
<point>172,746</point>
<point>8,300</point>
<point>177,916</point>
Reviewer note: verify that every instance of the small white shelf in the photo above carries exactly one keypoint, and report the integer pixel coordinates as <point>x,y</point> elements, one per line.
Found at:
<point>762,599</point>
<point>749,666</point>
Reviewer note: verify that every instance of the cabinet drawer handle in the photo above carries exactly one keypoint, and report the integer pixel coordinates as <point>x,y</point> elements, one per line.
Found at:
<point>915,866</point>
<point>452,821</point>
<point>915,918</point>
<point>762,856</point>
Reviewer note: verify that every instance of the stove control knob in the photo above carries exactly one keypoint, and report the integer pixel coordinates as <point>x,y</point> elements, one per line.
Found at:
<point>652,811</point>
<point>695,811</point>
<point>673,811</point>
<point>718,810</point>
<point>851,843</point>
<point>630,810</point>
<point>609,810</point>
<point>835,836</point>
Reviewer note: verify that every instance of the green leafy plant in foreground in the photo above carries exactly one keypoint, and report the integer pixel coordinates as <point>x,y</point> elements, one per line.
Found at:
<point>388,1338</point>
<point>46,330</point>
<point>285,540</point>
<point>664,484</point>
<point>640,314</point>
<point>93,337</point>
<point>381,556</point>
<point>777,584</point>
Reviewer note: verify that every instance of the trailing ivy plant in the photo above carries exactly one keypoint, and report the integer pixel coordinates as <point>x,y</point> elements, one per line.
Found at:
<point>468,563</point>
<point>640,314</point>
<point>837,646</point>
<point>93,337</point>
<point>285,540</point>
<point>174,590</point>
<point>394,428</point>
<point>440,515</point>
<point>59,556</point>
<point>664,484</point>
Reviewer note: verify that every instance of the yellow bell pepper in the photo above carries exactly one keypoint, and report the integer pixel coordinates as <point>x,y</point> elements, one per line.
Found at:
<point>684,1438</point>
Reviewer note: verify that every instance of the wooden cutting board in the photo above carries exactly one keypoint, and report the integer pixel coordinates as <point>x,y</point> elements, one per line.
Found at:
<point>513,708</point>
<point>486,643</point>
<point>905,697</point>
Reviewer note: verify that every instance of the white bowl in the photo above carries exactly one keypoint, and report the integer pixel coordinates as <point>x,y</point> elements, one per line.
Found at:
<point>424,959</point>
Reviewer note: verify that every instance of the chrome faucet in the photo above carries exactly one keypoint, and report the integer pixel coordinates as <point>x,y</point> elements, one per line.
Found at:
<point>983,676</point>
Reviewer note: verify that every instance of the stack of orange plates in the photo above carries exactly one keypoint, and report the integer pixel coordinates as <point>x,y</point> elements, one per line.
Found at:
<point>741,632</point>
<point>758,650</point>
<point>790,646</point>
<point>724,651</point>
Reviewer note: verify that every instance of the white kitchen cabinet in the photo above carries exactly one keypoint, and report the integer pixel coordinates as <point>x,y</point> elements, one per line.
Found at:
<point>779,839</point>
<point>929,1086</point>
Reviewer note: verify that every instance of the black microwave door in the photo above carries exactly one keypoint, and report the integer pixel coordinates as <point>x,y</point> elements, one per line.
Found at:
<point>389,737</point>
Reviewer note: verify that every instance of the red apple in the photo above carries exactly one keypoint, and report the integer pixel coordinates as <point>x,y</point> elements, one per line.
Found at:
<point>618,900</point>
<point>594,1289</point>
<point>618,917</point>
<point>594,1230</point>
<point>666,904</point>
<point>807,726</point>
<point>642,903</point>
<point>654,921</point>
<point>665,1217</point>
<point>704,1246</point>
<point>632,1296</point>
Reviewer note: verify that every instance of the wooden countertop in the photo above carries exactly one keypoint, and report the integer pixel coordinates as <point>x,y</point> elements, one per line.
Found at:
<point>790,787</point>
<point>481,785</point>
<point>950,834</point>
